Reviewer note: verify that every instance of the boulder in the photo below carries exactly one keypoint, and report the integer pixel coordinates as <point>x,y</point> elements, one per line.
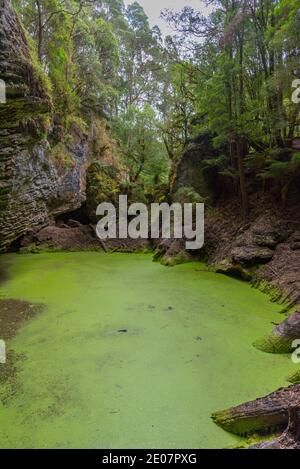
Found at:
<point>266,238</point>
<point>251,255</point>
<point>60,238</point>
<point>227,267</point>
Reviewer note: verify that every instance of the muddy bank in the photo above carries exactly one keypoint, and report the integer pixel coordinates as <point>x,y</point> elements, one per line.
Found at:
<point>13,313</point>
<point>64,237</point>
<point>3,272</point>
<point>75,237</point>
<point>3,275</point>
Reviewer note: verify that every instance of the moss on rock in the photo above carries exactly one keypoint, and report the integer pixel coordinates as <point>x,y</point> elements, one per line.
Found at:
<point>243,426</point>
<point>273,343</point>
<point>280,340</point>
<point>294,378</point>
<point>231,269</point>
<point>103,185</point>
<point>275,294</point>
<point>171,260</point>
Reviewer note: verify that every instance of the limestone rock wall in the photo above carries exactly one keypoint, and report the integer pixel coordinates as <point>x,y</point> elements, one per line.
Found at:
<point>36,180</point>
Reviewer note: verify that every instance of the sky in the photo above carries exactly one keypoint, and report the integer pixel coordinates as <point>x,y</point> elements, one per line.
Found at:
<point>153,8</point>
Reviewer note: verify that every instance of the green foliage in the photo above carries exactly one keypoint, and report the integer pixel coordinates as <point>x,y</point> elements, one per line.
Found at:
<point>103,61</point>
<point>102,186</point>
<point>282,169</point>
<point>62,158</point>
<point>143,152</point>
<point>244,66</point>
<point>106,68</point>
<point>186,194</point>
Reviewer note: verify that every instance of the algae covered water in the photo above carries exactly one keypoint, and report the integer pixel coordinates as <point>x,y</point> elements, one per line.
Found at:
<point>131,354</point>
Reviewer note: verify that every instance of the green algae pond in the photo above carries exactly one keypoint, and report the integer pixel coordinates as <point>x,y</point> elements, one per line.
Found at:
<point>128,353</point>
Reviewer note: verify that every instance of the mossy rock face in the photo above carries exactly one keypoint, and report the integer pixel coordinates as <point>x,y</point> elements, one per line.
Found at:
<point>276,295</point>
<point>23,123</point>
<point>265,414</point>
<point>171,252</point>
<point>33,186</point>
<point>103,185</point>
<point>36,248</point>
<point>294,378</point>
<point>181,258</point>
<point>281,339</point>
<point>18,111</point>
<point>247,424</point>
<point>231,269</point>
<point>274,343</point>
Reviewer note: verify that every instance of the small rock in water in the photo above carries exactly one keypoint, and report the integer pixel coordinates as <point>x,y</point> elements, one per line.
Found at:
<point>198,337</point>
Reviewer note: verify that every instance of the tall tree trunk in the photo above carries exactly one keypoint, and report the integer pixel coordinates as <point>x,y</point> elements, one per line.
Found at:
<point>240,153</point>
<point>40,29</point>
<point>241,144</point>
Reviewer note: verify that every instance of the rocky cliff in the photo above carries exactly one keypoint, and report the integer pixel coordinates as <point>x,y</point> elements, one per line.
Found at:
<point>38,180</point>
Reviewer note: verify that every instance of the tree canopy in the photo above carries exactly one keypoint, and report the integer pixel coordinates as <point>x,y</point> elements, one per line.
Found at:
<point>229,73</point>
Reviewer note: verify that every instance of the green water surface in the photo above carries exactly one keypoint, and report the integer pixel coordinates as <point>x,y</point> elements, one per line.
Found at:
<point>184,351</point>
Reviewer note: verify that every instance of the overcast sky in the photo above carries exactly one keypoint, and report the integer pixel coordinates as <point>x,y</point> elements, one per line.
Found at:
<point>154,7</point>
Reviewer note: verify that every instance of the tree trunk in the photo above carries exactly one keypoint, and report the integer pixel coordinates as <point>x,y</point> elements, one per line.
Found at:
<point>40,30</point>
<point>240,151</point>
